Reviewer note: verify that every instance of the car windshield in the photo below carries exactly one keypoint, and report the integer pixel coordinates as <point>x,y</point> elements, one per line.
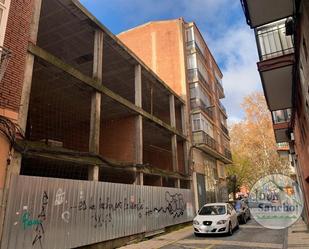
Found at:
<point>212,210</point>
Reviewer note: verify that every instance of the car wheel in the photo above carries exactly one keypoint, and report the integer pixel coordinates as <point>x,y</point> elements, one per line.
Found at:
<point>237,226</point>
<point>244,220</point>
<point>230,232</point>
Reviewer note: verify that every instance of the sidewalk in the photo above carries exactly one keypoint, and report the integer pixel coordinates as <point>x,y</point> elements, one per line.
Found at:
<point>160,241</point>
<point>298,236</point>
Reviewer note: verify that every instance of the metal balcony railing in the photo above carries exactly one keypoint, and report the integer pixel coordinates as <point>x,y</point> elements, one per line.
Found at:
<point>5,55</point>
<point>201,137</point>
<point>220,85</point>
<point>192,45</point>
<point>224,129</point>
<point>283,145</point>
<point>282,116</point>
<point>227,153</point>
<point>222,107</point>
<point>196,103</point>
<point>272,40</point>
<point>194,75</point>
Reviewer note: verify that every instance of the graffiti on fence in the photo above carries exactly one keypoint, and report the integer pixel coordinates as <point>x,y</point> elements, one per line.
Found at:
<point>74,210</point>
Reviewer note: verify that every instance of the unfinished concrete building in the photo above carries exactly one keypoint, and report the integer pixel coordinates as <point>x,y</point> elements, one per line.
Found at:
<point>90,109</point>
<point>93,102</point>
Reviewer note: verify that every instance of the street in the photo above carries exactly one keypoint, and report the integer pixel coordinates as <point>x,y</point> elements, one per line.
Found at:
<point>248,236</point>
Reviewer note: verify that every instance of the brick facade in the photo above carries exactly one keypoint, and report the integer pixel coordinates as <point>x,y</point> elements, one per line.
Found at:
<point>16,40</point>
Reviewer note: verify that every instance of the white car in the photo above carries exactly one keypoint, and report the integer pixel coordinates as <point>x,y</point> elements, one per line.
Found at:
<point>215,218</point>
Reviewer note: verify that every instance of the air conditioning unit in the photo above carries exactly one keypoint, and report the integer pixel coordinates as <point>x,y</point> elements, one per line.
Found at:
<point>289,26</point>
<point>292,136</point>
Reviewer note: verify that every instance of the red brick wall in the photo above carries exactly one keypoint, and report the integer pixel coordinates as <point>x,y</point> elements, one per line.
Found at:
<point>117,139</point>
<point>168,59</point>
<point>301,128</point>
<point>16,39</point>
<point>158,159</point>
<point>302,150</point>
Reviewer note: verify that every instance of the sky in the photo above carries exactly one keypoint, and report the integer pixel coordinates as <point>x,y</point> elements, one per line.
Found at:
<point>222,24</point>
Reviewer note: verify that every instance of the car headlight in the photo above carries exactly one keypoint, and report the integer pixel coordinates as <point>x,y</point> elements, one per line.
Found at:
<point>221,222</point>
<point>195,222</point>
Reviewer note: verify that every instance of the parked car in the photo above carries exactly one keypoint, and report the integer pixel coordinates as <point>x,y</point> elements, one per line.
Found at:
<point>242,210</point>
<point>215,218</point>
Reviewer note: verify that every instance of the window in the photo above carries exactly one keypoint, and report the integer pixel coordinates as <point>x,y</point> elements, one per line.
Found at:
<point>282,116</point>
<point>200,123</point>
<point>273,41</point>
<point>190,34</point>
<point>218,79</point>
<point>202,69</point>
<point>197,92</point>
<point>4,11</point>
<point>191,61</point>
<point>213,210</point>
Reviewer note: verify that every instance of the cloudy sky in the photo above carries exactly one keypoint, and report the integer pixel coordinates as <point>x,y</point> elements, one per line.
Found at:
<point>223,26</point>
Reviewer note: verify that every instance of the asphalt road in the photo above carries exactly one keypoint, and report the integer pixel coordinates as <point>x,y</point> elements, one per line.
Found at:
<point>248,236</point>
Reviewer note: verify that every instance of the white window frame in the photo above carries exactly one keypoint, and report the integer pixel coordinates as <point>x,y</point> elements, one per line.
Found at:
<point>3,22</point>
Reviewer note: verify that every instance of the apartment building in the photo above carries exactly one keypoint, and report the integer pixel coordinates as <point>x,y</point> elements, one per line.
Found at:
<point>177,52</point>
<point>82,110</point>
<point>282,34</point>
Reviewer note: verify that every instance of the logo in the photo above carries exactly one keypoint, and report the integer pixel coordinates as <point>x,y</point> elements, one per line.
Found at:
<point>276,201</point>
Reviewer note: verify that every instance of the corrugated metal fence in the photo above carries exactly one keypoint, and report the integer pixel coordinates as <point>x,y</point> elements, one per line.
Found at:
<point>59,213</point>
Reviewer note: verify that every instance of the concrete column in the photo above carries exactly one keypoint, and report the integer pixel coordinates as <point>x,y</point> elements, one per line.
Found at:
<point>186,146</point>
<point>139,122</point>
<point>174,153</point>
<point>194,188</point>
<point>184,119</point>
<point>177,183</point>
<point>93,173</point>
<point>138,85</point>
<point>139,140</point>
<point>95,116</point>
<point>172,111</point>
<point>174,137</point>
<point>139,178</point>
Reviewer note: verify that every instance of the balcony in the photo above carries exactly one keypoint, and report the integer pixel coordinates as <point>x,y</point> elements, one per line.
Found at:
<point>283,147</point>
<point>201,137</point>
<point>227,154</point>
<point>197,103</point>
<point>222,108</point>
<point>225,130</point>
<point>260,12</point>
<point>205,142</point>
<point>193,47</point>
<point>219,85</point>
<point>276,53</point>
<point>194,75</point>
<point>282,116</point>
<point>281,121</point>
